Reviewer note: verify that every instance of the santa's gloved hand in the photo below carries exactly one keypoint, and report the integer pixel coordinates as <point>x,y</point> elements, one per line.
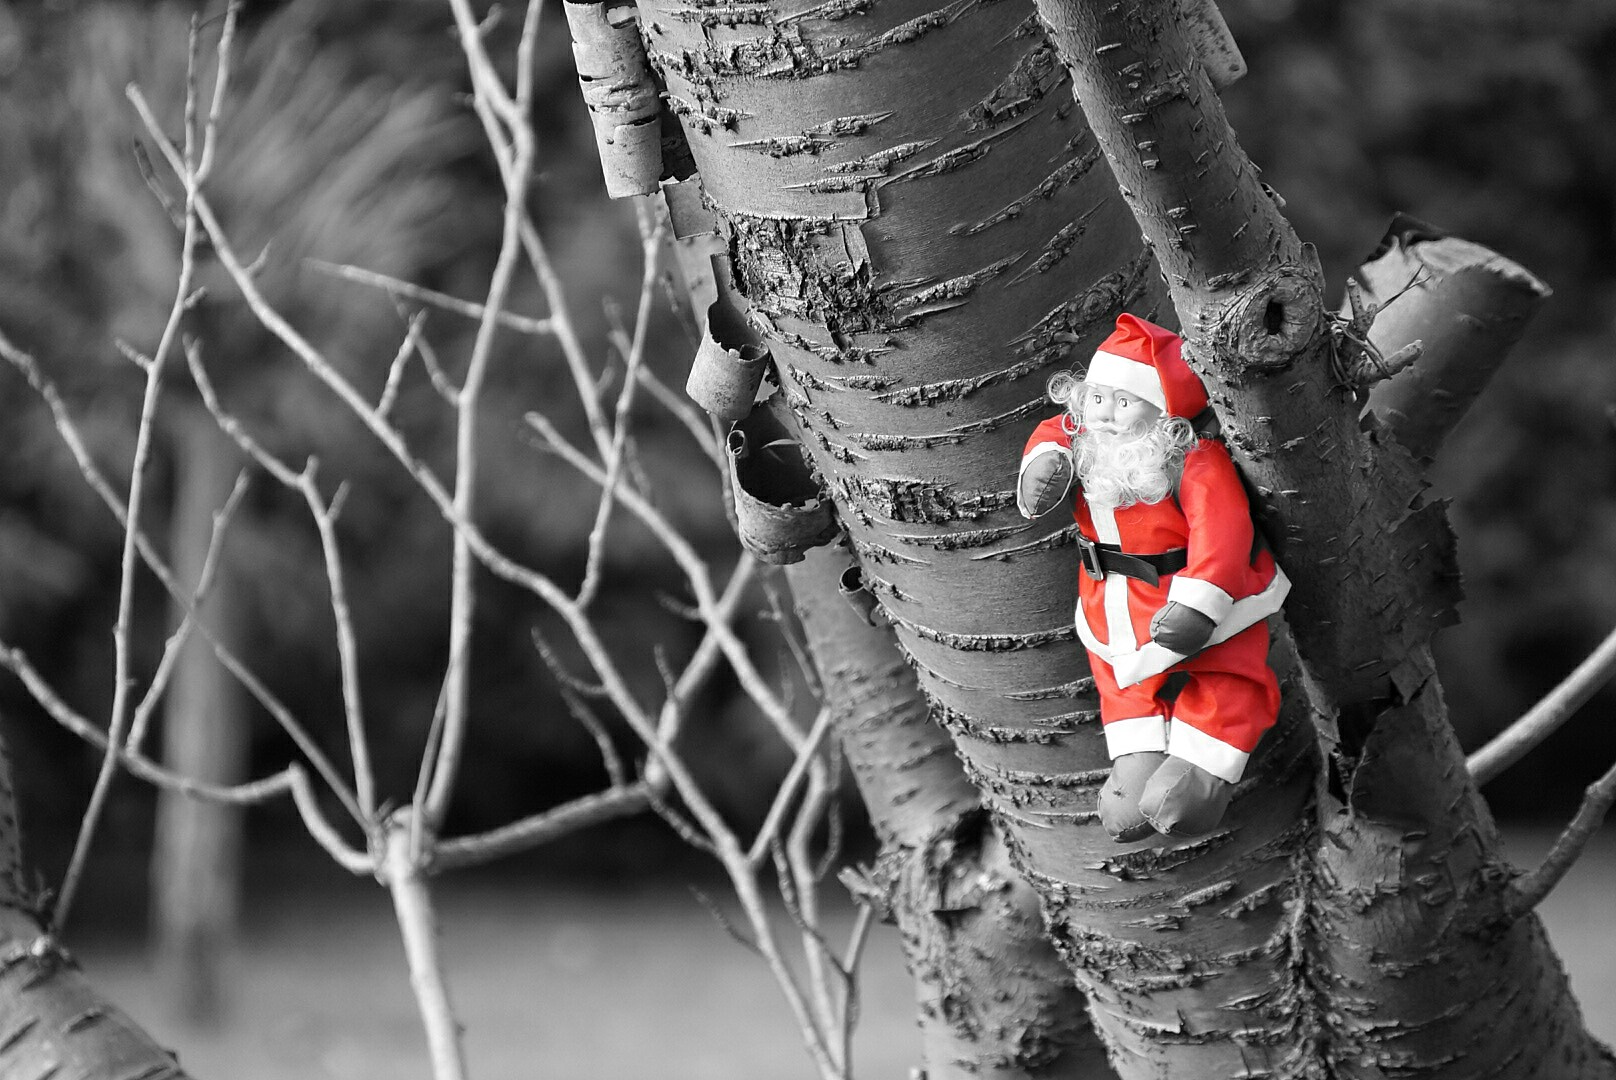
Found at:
<point>1044,482</point>
<point>1181,628</point>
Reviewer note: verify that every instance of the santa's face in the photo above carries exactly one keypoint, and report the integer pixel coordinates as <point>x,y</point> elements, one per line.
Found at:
<point>1126,450</point>
<point>1111,411</point>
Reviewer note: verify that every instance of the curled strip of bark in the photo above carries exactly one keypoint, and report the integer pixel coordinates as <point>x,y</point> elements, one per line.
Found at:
<point>622,98</point>
<point>1466,304</point>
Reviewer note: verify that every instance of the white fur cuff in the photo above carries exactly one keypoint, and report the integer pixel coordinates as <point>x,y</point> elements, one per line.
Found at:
<point>1135,735</point>
<point>1198,748</point>
<point>1203,596</point>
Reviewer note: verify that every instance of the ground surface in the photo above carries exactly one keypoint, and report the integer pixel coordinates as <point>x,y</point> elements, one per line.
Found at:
<point>562,984</point>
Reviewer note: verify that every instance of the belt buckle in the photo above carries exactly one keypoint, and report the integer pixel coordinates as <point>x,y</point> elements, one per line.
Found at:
<point>1089,553</point>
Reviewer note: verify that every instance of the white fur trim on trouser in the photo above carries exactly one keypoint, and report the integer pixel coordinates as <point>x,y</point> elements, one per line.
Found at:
<point>1198,748</point>
<point>1129,665</point>
<point>1026,460</point>
<point>1140,380</point>
<point>1203,596</point>
<point>1135,735</point>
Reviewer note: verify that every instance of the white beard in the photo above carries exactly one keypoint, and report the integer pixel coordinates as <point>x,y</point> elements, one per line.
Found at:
<point>1140,465</point>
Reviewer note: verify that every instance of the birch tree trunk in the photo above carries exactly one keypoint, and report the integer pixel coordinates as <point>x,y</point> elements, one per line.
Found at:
<point>916,219</point>
<point>52,1021</point>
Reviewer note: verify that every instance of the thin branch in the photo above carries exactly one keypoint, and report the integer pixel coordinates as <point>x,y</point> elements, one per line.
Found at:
<point>324,516</point>
<point>182,634</point>
<point>541,828</point>
<point>694,421</point>
<point>98,483</point>
<point>806,754</point>
<point>395,370</point>
<point>117,726</point>
<point>321,829</point>
<point>651,246</point>
<point>221,82</point>
<point>1547,716</point>
<point>396,287</point>
<point>756,687</point>
<point>138,764</point>
<point>1528,891</point>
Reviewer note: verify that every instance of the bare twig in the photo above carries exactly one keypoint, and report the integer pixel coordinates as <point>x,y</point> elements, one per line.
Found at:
<point>394,286</point>
<point>138,764</point>
<point>118,724</point>
<point>324,516</point>
<point>651,246</point>
<point>541,828</point>
<point>176,641</point>
<point>696,423</point>
<point>395,371</point>
<point>99,484</point>
<point>807,753</point>
<point>1529,890</point>
<point>1547,716</point>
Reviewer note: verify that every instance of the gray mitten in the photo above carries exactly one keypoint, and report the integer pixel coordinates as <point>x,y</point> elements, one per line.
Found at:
<point>1044,482</point>
<point>1181,628</point>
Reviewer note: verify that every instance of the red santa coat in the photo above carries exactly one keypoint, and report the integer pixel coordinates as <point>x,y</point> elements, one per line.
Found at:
<point>1222,578</point>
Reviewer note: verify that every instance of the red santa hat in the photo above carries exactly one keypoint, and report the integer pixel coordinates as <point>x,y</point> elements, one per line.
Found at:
<point>1147,360</point>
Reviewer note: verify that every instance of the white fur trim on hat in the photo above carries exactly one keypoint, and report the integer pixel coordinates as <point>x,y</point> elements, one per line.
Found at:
<point>1141,380</point>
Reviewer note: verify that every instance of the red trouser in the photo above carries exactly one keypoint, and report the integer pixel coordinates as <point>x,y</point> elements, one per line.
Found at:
<point>1232,694</point>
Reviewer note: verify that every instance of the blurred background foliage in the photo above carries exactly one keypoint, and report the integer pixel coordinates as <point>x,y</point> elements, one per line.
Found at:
<point>349,139</point>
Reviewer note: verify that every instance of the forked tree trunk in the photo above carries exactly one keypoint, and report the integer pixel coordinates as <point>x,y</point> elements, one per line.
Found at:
<point>52,1021</point>
<point>197,858</point>
<point>922,225</point>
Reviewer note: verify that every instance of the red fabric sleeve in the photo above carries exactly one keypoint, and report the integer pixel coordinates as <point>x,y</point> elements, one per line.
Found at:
<point>1050,430</point>
<point>1219,515</point>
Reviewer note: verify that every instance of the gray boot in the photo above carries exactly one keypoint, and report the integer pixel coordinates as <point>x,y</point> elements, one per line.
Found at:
<point>1183,799</point>
<point>1119,798</point>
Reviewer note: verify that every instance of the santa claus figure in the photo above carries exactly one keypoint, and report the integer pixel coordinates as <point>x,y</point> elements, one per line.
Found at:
<point>1173,580</point>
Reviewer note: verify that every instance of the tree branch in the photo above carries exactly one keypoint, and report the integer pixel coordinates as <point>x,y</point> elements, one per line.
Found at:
<point>1547,716</point>
<point>1528,891</point>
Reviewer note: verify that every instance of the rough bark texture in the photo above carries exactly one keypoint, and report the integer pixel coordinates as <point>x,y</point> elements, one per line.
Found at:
<point>196,857</point>
<point>994,999</point>
<point>1399,902</point>
<point>913,211</point>
<point>52,1022</point>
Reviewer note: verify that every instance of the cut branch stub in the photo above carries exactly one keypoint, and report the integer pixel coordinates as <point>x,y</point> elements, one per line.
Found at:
<point>729,363</point>
<point>859,597</point>
<point>1465,303</point>
<point>1213,43</point>
<point>780,511</point>
<point>622,97</point>
<point>1270,324</point>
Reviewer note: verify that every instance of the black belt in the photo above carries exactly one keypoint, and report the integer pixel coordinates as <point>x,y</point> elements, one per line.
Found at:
<point>1102,559</point>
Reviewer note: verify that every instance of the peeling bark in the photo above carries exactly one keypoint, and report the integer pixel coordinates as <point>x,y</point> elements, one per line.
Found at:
<point>914,315</point>
<point>53,1024</point>
<point>1467,306</point>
